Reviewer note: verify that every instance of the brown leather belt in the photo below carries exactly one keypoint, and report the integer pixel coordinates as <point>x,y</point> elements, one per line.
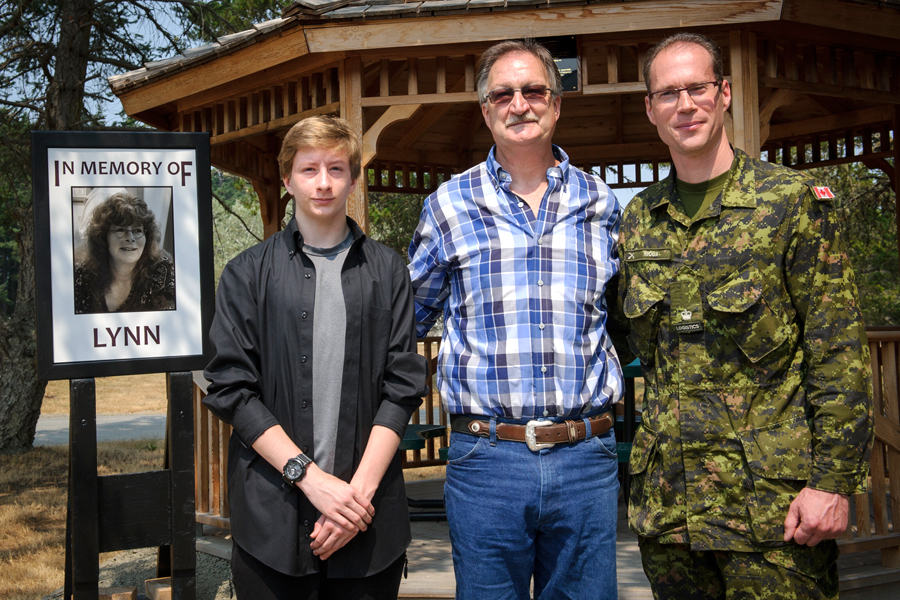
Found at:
<point>536,434</point>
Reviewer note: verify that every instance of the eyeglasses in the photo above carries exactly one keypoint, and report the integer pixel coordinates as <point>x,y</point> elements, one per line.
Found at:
<point>121,232</point>
<point>531,93</point>
<point>697,92</point>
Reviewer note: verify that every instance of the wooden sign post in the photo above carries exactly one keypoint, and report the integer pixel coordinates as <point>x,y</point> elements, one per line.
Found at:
<point>135,510</point>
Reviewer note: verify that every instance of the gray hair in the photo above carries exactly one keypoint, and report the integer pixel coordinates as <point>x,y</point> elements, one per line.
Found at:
<point>685,37</point>
<point>495,52</point>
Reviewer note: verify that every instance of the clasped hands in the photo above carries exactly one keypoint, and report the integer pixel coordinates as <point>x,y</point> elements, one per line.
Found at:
<point>346,510</point>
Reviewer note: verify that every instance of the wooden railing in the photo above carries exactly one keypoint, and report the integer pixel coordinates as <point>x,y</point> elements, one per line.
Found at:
<point>871,528</point>
<point>211,444</point>
<point>210,461</point>
<point>430,412</point>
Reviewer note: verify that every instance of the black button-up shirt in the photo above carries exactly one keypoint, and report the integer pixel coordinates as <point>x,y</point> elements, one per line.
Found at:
<point>261,377</point>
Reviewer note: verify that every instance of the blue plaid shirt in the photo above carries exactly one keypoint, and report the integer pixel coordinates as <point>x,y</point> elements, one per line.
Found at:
<point>523,298</point>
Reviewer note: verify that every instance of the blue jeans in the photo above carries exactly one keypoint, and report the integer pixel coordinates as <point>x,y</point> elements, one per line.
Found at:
<point>551,514</point>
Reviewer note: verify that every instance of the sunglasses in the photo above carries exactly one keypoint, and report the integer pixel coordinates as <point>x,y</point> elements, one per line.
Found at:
<point>531,93</point>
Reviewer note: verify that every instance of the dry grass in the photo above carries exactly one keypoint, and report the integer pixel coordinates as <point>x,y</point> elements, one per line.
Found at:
<point>115,395</point>
<point>33,511</point>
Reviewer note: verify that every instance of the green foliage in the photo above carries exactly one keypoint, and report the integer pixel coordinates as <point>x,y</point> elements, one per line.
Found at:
<point>393,219</point>
<point>870,225</point>
<point>230,236</point>
<point>212,20</point>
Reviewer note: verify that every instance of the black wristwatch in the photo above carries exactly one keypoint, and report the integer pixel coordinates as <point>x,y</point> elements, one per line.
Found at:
<point>295,469</point>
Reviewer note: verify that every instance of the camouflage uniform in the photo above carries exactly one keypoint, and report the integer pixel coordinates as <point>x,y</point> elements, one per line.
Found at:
<point>755,360</point>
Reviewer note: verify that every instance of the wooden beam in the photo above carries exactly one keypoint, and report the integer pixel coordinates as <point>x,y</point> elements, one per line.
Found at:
<point>545,22</point>
<point>842,161</point>
<point>646,151</point>
<point>228,68</point>
<point>609,89</point>
<point>744,92</point>
<point>839,91</point>
<point>272,126</point>
<point>350,83</point>
<point>896,125</point>
<point>887,432</point>
<point>391,115</point>
<point>431,116</point>
<point>847,120</point>
<point>449,98</point>
<point>850,16</point>
<point>773,102</point>
<point>875,542</point>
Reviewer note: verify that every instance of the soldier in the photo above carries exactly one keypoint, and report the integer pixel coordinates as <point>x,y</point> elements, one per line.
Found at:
<point>756,420</point>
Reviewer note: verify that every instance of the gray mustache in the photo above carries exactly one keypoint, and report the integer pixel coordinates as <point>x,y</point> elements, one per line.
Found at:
<point>524,118</point>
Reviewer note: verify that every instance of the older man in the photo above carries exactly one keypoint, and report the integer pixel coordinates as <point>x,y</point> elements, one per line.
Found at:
<point>756,423</point>
<point>516,253</point>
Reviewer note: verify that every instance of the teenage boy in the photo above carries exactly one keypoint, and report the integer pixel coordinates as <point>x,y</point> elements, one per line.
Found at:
<point>316,369</point>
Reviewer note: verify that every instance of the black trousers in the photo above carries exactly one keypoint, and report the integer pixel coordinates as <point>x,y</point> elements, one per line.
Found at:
<point>255,581</point>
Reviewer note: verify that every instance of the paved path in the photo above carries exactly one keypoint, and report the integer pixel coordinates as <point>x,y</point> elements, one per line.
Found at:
<point>53,430</point>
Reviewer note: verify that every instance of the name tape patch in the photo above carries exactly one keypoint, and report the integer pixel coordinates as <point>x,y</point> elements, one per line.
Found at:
<point>695,327</point>
<point>648,254</point>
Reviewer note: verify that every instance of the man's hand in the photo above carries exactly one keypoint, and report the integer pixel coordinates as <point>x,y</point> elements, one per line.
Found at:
<point>337,500</point>
<point>328,537</point>
<point>815,515</point>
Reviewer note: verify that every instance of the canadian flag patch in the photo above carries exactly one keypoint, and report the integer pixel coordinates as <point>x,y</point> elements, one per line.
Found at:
<point>823,192</point>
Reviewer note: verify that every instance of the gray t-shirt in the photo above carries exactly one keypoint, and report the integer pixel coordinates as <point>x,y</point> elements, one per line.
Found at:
<point>329,331</point>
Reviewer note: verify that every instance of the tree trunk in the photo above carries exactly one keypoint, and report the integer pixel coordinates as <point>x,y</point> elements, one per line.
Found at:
<point>65,94</point>
<point>21,393</point>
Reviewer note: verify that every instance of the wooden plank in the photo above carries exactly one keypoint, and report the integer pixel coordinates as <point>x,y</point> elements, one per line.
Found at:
<point>841,161</point>
<point>773,102</point>
<point>839,91</point>
<point>613,56</point>
<point>412,77</point>
<point>384,77</point>
<point>887,432</point>
<point>863,519</point>
<point>265,54</point>
<point>876,542</point>
<point>351,110</point>
<point>545,22</point>
<point>136,510</point>
<point>891,557</point>
<point>631,87</point>
<point>745,95</point>
<point>449,98</point>
<point>441,75</point>
<point>853,119</point>
<point>277,124</point>
<point>848,16</point>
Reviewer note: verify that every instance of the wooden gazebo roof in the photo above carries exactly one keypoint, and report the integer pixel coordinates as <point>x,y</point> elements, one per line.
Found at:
<point>815,82</point>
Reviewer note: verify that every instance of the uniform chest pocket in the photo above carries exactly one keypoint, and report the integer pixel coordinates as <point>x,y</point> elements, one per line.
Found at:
<point>740,305</point>
<point>641,307</point>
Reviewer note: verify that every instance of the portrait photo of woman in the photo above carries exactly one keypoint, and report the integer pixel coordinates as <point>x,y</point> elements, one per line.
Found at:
<point>120,261</point>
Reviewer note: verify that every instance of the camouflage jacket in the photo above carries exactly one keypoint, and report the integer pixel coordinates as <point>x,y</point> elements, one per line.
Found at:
<point>754,354</point>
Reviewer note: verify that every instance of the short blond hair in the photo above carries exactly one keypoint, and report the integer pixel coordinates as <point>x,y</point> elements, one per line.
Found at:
<point>321,132</point>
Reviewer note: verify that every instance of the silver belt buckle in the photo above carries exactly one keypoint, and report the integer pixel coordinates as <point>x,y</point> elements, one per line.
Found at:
<point>529,435</point>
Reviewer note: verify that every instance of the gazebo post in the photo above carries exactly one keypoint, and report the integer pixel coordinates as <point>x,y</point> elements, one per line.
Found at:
<point>896,178</point>
<point>745,92</point>
<point>351,110</point>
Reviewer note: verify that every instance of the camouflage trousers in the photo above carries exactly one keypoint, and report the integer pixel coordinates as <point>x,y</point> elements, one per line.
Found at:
<point>792,573</point>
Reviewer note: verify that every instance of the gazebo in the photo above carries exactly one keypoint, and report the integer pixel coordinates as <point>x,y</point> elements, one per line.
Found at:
<point>815,83</point>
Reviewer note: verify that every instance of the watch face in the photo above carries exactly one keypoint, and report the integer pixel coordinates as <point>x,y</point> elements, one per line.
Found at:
<point>293,470</point>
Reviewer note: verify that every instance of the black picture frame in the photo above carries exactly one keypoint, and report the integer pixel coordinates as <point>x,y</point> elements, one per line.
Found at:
<point>155,338</point>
